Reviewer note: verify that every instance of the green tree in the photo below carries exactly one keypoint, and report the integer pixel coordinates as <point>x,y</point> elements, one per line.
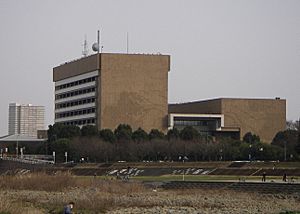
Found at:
<point>60,146</point>
<point>189,133</point>
<point>58,131</point>
<point>70,131</point>
<point>52,131</point>
<point>173,134</point>
<point>286,138</point>
<point>156,134</point>
<point>123,132</point>
<point>271,152</point>
<point>245,150</point>
<point>107,135</point>
<point>297,148</point>
<point>290,138</point>
<point>251,138</point>
<point>139,135</point>
<point>89,130</point>
<point>228,148</point>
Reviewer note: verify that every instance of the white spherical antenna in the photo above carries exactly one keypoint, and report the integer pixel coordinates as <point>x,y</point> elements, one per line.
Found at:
<point>95,47</point>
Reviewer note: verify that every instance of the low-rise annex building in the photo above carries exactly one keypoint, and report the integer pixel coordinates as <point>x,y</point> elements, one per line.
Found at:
<point>231,117</point>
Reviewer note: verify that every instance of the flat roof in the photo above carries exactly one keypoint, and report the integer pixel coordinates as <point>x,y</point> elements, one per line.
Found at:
<point>91,63</point>
<point>18,137</point>
<point>228,98</point>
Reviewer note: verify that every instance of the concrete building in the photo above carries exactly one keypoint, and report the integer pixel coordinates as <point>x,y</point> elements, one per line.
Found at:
<point>109,89</point>
<point>25,119</point>
<point>231,117</point>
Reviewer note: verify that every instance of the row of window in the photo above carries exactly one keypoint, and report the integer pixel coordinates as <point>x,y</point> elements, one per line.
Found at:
<point>78,82</point>
<point>190,123</point>
<point>75,113</point>
<point>75,103</point>
<point>75,93</point>
<point>81,122</point>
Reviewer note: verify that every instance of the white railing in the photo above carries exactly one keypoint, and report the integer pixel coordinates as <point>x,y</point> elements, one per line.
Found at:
<point>28,161</point>
<point>40,157</point>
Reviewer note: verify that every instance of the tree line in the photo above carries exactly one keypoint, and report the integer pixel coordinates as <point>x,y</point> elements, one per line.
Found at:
<point>124,144</point>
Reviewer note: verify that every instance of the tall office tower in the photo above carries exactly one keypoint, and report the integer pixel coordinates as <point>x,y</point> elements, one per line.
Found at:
<point>111,89</point>
<point>25,119</point>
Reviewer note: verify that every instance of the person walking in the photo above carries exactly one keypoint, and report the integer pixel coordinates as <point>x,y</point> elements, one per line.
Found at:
<point>68,208</point>
<point>264,177</point>
<point>284,177</point>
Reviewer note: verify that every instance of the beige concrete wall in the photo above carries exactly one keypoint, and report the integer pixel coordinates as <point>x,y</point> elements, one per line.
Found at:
<point>134,90</point>
<point>74,68</point>
<point>263,117</point>
<point>200,107</point>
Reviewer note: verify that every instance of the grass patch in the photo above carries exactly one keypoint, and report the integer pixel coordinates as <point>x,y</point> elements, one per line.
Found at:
<point>202,178</point>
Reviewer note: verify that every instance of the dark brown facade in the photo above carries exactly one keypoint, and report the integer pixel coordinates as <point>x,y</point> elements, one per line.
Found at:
<point>263,117</point>
<point>131,88</point>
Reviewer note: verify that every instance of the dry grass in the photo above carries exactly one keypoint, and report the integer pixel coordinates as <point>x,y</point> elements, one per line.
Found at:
<point>64,180</point>
<point>8,206</point>
<point>37,181</point>
<point>53,191</point>
<point>42,193</point>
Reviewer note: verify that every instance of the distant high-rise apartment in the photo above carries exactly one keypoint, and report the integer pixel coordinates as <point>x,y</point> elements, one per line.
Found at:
<point>25,119</point>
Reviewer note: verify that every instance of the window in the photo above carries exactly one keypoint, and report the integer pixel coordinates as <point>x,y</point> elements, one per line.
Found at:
<point>75,93</point>
<point>75,113</point>
<point>78,82</point>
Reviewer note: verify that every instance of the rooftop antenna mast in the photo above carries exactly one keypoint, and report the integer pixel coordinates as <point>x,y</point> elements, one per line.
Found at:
<point>127,43</point>
<point>98,40</point>
<point>96,46</point>
<point>85,51</point>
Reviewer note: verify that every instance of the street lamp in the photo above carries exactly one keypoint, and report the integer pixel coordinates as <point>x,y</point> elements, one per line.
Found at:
<point>22,152</point>
<point>66,155</point>
<point>250,146</point>
<point>53,154</point>
<point>183,158</point>
<point>261,151</point>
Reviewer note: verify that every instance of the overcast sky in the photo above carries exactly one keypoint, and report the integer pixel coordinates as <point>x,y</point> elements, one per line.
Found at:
<point>240,49</point>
